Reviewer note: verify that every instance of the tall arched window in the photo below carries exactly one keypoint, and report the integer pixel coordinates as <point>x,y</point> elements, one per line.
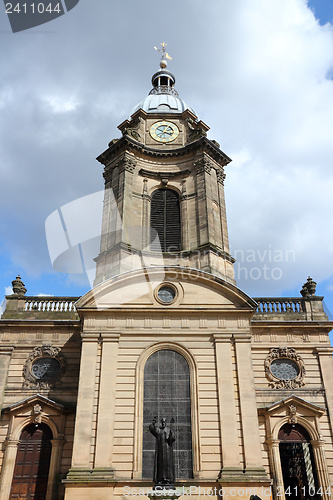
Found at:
<point>32,462</point>
<point>165,221</point>
<point>297,462</point>
<point>167,394</point>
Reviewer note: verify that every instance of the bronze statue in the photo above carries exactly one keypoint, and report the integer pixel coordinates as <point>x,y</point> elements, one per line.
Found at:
<point>164,470</point>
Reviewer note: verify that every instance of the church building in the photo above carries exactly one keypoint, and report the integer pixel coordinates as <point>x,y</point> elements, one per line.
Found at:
<point>245,384</point>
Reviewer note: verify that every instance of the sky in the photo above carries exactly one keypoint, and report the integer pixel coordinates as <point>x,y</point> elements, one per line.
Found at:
<point>259,73</point>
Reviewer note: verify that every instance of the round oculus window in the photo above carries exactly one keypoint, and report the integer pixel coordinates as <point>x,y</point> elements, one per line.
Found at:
<point>284,369</point>
<point>166,294</point>
<point>45,368</point>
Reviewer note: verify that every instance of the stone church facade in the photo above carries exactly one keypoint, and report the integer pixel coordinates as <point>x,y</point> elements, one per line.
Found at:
<point>246,382</point>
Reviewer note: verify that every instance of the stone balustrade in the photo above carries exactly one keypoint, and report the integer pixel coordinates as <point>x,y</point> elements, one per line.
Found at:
<point>279,305</point>
<point>50,304</point>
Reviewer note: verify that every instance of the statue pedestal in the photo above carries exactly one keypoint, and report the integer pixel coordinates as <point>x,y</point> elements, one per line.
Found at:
<point>164,494</point>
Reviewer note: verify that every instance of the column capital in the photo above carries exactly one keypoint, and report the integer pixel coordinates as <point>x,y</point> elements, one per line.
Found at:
<point>242,337</point>
<point>222,337</point>
<point>11,443</point>
<point>220,175</point>
<point>6,350</point>
<point>90,336</point>
<point>109,336</point>
<point>127,164</point>
<point>56,443</point>
<point>203,165</point>
<point>324,351</point>
<point>273,443</point>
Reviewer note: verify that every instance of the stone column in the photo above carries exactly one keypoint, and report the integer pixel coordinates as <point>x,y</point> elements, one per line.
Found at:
<point>205,216</point>
<point>8,468</point>
<point>57,445</point>
<point>227,407</point>
<point>321,468</point>
<point>223,213</point>
<point>145,215</point>
<point>248,406</point>
<point>275,465</point>
<point>5,355</point>
<point>125,194</point>
<point>106,405</point>
<point>184,218</point>
<point>81,459</point>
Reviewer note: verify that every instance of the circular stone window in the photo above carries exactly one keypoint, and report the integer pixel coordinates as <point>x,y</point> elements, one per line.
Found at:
<point>45,368</point>
<point>284,369</point>
<point>166,294</point>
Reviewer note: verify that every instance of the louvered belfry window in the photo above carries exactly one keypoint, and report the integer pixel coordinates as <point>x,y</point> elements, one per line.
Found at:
<point>165,221</point>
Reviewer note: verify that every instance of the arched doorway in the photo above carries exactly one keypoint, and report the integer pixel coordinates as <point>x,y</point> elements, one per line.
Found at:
<point>297,462</point>
<point>32,463</point>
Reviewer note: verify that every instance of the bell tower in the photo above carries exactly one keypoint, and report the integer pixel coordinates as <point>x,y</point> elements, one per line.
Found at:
<point>164,190</point>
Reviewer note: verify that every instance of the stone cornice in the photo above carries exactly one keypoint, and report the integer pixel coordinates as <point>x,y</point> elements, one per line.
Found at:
<point>163,175</point>
<point>128,143</point>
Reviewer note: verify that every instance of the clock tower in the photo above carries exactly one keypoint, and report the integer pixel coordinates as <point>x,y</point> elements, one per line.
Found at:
<point>164,190</point>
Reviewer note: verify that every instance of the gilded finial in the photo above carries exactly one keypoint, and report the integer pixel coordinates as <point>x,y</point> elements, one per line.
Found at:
<point>165,55</point>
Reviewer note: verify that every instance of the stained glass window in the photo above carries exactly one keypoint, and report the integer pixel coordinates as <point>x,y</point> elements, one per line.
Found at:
<point>167,394</point>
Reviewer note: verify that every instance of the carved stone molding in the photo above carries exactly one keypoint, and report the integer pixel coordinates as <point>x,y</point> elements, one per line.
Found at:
<point>203,165</point>
<point>220,175</point>
<point>127,164</point>
<point>292,414</point>
<point>286,353</point>
<point>43,352</point>
<point>163,175</point>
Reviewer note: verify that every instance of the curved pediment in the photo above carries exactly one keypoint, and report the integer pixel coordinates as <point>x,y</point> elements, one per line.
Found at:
<point>193,289</point>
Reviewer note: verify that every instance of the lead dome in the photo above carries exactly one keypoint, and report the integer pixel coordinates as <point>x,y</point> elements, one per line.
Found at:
<point>163,97</point>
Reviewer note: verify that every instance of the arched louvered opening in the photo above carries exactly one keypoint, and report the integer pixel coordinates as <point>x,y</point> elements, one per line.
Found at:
<point>165,221</point>
<point>297,463</point>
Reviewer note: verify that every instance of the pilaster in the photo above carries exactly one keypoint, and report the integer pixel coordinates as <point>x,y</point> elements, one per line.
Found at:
<point>57,445</point>
<point>202,170</point>
<point>325,360</point>
<point>106,403</point>
<point>8,468</point>
<point>81,458</point>
<point>248,407</point>
<point>275,466</point>
<point>5,355</point>
<point>321,468</point>
<point>227,406</point>
<point>223,212</point>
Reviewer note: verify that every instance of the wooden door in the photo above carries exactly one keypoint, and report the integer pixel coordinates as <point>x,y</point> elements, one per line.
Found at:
<point>32,463</point>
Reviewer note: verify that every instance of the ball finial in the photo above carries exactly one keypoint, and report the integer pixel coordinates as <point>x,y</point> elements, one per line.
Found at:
<point>163,64</point>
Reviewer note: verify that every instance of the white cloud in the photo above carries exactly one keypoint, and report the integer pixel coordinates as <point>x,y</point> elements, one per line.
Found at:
<point>256,73</point>
<point>60,104</point>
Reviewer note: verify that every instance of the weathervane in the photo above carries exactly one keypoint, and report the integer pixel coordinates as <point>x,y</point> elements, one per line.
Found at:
<point>165,55</point>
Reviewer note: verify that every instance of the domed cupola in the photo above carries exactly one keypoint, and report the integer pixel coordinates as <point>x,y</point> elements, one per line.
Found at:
<point>163,97</point>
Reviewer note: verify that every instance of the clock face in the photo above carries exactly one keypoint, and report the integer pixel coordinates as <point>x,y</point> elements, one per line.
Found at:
<point>164,131</point>
<point>45,368</point>
<point>284,369</point>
